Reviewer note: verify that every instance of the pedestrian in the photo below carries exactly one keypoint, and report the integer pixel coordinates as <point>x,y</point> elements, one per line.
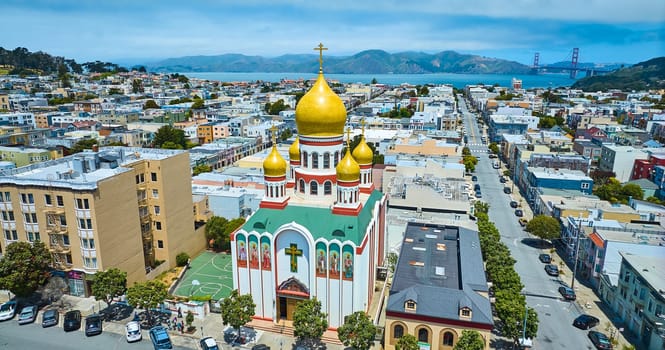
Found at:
<point>179,312</point>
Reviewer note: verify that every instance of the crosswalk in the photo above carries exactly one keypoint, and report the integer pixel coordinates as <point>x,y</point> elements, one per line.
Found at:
<point>478,150</point>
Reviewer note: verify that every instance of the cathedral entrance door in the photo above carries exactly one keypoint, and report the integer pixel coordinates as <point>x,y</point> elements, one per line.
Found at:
<point>290,292</point>
<point>287,306</point>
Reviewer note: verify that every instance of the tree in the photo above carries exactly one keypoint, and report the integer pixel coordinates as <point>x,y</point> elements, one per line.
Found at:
<point>109,284</point>
<point>309,322</point>
<point>237,310</point>
<point>201,168</point>
<point>82,145</point>
<point>494,148</point>
<point>198,104</point>
<point>24,267</point>
<point>150,104</point>
<point>147,295</point>
<point>469,163</point>
<point>137,86</point>
<point>182,259</point>
<point>168,133</point>
<point>374,81</point>
<point>275,108</point>
<point>470,340</point>
<point>391,260</point>
<point>544,227</point>
<point>358,331</point>
<point>407,342</point>
<point>632,191</point>
<point>189,319</point>
<point>218,230</point>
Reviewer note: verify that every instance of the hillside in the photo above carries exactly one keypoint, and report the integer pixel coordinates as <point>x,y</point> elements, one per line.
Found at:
<point>22,61</point>
<point>644,75</point>
<point>365,62</point>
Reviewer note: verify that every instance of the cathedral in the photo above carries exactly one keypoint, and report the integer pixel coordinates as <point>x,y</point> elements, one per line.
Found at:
<point>320,229</point>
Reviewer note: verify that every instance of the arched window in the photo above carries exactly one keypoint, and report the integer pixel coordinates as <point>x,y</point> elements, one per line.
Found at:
<point>304,159</point>
<point>326,160</point>
<point>448,338</point>
<point>302,186</point>
<point>313,188</point>
<point>423,335</point>
<point>398,331</point>
<point>336,157</point>
<point>315,160</point>
<point>327,187</point>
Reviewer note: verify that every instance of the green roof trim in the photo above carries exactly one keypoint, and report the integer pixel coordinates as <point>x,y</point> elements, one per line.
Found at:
<point>321,222</point>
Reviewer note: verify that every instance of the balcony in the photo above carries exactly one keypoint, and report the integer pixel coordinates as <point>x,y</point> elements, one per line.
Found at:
<point>145,218</point>
<point>56,229</point>
<point>143,202</point>
<point>54,210</point>
<point>59,248</point>
<point>147,235</point>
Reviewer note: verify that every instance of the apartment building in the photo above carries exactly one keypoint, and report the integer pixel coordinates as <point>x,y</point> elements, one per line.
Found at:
<point>620,160</point>
<point>129,208</point>
<point>22,156</point>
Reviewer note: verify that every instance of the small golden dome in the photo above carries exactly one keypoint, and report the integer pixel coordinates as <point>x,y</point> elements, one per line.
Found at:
<point>294,150</point>
<point>320,112</point>
<point>348,169</point>
<point>363,153</point>
<point>274,164</point>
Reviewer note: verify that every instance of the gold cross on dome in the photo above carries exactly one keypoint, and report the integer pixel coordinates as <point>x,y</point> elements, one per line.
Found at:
<point>273,131</point>
<point>362,124</point>
<point>320,48</point>
<point>348,137</point>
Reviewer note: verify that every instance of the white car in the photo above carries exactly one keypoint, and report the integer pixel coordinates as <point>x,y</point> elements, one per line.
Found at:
<point>133,331</point>
<point>7,310</point>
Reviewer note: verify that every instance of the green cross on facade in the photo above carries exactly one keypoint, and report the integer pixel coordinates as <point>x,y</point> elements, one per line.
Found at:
<point>294,252</point>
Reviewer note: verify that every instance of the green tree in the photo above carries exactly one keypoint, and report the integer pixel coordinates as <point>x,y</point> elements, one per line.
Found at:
<point>24,267</point>
<point>374,81</point>
<point>469,163</point>
<point>544,227</point>
<point>632,190</point>
<point>358,331</point>
<point>470,340</point>
<point>391,260</point>
<point>189,319</point>
<point>407,342</point>
<point>201,168</point>
<point>237,310</point>
<point>285,135</point>
<point>168,133</point>
<point>115,91</point>
<point>218,229</point>
<point>275,108</point>
<point>83,145</point>
<point>182,259</point>
<point>147,295</point>
<point>309,322</point>
<point>109,284</point>
<point>198,104</point>
<point>466,151</point>
<point>494,148</point>
<point>150,104</point>
<point>137,86</point>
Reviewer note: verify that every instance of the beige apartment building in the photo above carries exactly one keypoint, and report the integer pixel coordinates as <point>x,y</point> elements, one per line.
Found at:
<point>129,208</point>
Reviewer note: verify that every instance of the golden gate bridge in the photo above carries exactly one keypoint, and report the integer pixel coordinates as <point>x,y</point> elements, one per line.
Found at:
<point>572,68</point>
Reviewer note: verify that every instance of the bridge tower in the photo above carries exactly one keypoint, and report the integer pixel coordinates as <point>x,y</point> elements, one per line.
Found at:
<point>573,63</point>
<point>536,58</point>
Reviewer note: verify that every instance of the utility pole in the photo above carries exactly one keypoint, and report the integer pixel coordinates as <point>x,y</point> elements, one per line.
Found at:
<point>577,250</point>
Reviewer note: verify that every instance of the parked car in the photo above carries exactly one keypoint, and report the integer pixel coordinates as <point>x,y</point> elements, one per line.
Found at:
<point>476,187</point>
<point>585,321</point>
<point>28,314</point>
<point>514,204</point>
<point>72,321</point>
<point>552,270</point>
<point>8,310</point>
<point>519,213</point>
<point>474,178</point>
<point>50,318</point>
<point>502,180</point>
<point>507,190</point>
<point>260,347</point>
<point>160,338</point>
<point>523,222</point>
<point>545,258</point>
<point>492,156</point>
<point>600,340</point>
<point>567,293</point>
<point>479,194</point>
<point>93,325</point>
<point>133,331</point>
<point>208,343</point>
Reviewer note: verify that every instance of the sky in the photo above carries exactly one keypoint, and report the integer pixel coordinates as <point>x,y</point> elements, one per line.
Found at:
<point>138,31</point>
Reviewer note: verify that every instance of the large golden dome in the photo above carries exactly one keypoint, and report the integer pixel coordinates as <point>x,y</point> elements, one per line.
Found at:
<point>294,150</point>
<point>274,164</point>
<point>363,153</point>
<point>320,112</point>
<point>348,169</point>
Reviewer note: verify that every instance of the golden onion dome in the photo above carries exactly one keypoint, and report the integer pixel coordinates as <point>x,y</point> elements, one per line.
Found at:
<point>363,153</point>
<point>274,164</point>
<point>294,150</point>
<point>320,112</point>
<point>348,169</point>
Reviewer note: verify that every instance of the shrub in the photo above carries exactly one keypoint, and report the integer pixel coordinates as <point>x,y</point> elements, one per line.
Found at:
<point>182,259</point>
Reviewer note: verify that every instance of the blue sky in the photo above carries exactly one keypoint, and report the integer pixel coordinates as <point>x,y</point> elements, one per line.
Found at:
<point>122,30</point>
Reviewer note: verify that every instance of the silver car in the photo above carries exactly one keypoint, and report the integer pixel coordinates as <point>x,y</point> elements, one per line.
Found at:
<point>133,331</point>
<point>28,314</point>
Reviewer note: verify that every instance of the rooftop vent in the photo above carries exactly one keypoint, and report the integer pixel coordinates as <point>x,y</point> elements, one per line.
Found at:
<point>441,246</point>
<point>422,249</point>
<point>416,263</point>
<point>440,271</point>
<point>408,240</point>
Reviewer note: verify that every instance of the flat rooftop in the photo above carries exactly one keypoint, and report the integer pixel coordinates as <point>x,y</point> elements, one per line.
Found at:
<point>650,268</point>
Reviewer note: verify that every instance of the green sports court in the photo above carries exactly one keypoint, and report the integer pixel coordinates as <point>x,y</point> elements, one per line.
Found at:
<point>213,271</point>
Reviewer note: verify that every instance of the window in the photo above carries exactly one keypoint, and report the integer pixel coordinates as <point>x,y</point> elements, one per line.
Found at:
<point>326,160</point>
<point>302,186</point>
<point>90,263</point>
<point>160,243</point>
<point>398,331</point>
<point>448,338</point>
<point>140,178</point>
<point>11,215</point>
<point>63,220</point>
<point>4,215</point>
<point>466,312</point>
<point>304,159</point>
<point>423,335</point>
<point>33,236</point>
<point>315,160</point>
<point>153,176</point>
<point>27,198</point>
<point>11,235</point>
<point>8,197</point>
<point>60,200</point>
<point>82,203</point>
<point>88,243</point>
<point>30,218</point>
<point>313,188</point>
<point>585,185</point>
<point>327,187</point>
<point>155,193</point>
<point>65,239</point>
<point>336,157</point>
<point>157,209</point>
<point>158,225</point>
<point>48,200</point>
<point>411,304</point>
<point>85,224</point>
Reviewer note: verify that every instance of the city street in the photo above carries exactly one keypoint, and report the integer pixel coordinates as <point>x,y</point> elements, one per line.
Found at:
<point>33,336</point>
<point>556,316</point>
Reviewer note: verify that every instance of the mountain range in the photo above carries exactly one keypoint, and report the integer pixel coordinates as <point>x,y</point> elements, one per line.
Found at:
<point>641,76</point>
<point>365,62</point>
